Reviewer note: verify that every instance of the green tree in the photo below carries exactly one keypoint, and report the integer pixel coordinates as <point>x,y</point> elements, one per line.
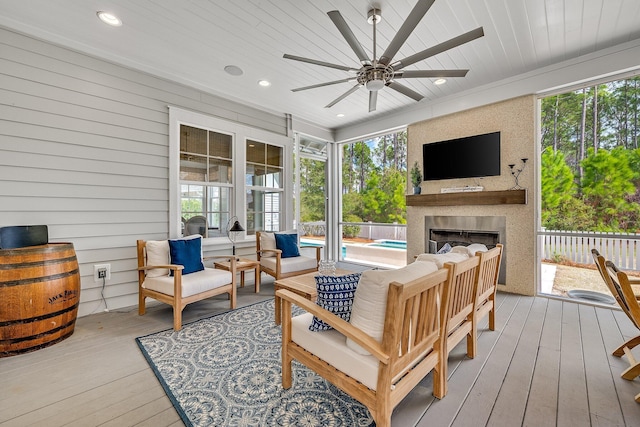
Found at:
<point>312,190</point>
<point>607,181</point>
<point>557,185</point>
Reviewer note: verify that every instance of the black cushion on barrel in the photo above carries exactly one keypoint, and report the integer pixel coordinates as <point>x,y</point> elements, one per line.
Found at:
<point>20,236</point>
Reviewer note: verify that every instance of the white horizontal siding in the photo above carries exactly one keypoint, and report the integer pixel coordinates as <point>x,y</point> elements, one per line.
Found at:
<point>84,149</point>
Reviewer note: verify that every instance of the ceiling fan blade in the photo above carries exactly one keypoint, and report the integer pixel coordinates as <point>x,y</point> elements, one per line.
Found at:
<point>316,62</point>
<point>346,32</point>
<point>429,74</point>
<point>373,99</point>
<point>405,90</point>
<point>343,96</point>
<point>439,48</point>
<point>323,84</point>
<point>416,14</point>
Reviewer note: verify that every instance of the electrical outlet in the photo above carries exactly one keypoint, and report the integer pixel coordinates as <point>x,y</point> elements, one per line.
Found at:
<point>101,272</point>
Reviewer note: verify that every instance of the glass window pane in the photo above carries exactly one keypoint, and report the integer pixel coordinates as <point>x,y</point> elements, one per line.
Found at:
<point>220,145</point>
<point>193,168</point>
<point>273,178</point>
<point>193,140</point>
<point>209,201</point>
<point>274,155</point>
<point>255,175</point>
<point>256,152</point>
<point>219,171</point>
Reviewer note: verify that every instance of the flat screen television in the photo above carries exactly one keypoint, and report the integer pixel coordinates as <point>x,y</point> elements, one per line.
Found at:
<point>469,157</point>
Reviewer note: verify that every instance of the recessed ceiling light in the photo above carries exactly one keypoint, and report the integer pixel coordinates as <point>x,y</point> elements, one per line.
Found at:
<point>109,18</point>
<point>233,70</point>
<point>340,115</point>
<point>440,82</point>
<point>264,83</point>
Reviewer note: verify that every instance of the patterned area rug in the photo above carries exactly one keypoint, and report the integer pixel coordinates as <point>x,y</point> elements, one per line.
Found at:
<point>226,371</point>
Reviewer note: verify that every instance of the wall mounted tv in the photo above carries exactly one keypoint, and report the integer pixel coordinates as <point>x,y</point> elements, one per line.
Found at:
<point>469,157</point>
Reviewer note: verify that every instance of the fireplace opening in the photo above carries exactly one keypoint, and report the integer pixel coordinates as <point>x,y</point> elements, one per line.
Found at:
<point>465,230</point>
<point>438,238</point>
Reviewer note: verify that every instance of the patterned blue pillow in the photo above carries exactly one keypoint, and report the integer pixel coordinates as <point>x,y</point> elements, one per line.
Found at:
<point>335,293</point>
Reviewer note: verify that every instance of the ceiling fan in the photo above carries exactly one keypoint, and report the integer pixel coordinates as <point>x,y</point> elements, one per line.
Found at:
<point>376,73</point>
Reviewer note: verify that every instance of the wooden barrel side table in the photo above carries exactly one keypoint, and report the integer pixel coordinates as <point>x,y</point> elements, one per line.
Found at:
<point>39,296</point>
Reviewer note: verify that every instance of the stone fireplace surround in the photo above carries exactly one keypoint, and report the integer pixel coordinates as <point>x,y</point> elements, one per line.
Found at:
<point>464,230</point>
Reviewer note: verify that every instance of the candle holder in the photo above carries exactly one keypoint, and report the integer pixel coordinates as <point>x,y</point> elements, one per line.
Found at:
<point>515,173</point>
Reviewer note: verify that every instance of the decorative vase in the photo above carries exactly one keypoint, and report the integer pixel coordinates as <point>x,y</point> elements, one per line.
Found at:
<point>417,190</point>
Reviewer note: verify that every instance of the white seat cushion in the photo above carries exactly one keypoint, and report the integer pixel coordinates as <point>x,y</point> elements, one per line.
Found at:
<point>370,301</point>
<point>194,283</point>
<point>290,265</point>
<point>331,347</point>
<point>440,259</point>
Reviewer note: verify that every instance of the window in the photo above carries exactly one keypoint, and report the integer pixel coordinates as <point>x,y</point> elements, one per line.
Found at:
<point>219,169</point>
<point>264,181</point>
<point>206,165</point>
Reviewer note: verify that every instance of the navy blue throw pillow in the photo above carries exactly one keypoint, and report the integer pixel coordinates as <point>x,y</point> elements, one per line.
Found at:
<point>288,244</point>
<point>335,293</point>
<point>187,253</point>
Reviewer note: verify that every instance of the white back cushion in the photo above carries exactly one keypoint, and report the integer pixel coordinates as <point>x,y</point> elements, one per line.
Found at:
<point>370,301</point>
<point>267,241</point>
<point>157,254</point>
<point>440,259</point>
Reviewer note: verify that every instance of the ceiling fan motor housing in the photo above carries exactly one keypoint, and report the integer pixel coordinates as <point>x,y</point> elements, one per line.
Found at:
<point>375,78</point>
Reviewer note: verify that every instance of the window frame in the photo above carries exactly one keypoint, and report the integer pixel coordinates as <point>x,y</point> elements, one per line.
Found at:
<point>240,134</point>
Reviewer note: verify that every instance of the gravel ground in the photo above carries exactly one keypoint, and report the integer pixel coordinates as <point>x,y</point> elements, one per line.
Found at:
<point>569,277</point>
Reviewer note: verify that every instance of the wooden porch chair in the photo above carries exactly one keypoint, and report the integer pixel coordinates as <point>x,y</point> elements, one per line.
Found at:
<point>487,286</point>
<point>272,262</point>
<point>631,306</point>
<point>459,310</point>
<point>179,290</point>
<point>410,347</point>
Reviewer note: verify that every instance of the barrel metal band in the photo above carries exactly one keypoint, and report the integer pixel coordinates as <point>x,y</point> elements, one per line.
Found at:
<point>39,263</point>
<point>39,279</point>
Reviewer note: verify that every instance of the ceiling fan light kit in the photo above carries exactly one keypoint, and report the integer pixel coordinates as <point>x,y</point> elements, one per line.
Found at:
<point>376,73</point>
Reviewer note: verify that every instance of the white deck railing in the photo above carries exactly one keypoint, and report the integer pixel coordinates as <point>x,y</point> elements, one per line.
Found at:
<point>622,249</point>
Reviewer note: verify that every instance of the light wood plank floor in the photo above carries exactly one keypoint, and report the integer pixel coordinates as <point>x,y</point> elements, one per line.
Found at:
<point>547,364</point>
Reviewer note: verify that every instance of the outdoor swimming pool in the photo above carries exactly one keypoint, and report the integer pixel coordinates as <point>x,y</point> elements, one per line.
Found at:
<point>394,244</point>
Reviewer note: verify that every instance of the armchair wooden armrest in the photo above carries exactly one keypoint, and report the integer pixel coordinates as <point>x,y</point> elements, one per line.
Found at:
<point>174,267</point>
<point>277,252</point>
<point>340,325</point>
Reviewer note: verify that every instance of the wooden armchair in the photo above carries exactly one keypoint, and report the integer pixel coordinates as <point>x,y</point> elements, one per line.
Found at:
<point>487,286</point>
<point>178,290</point>
<point>272,262</point>
<point>409,350</point>
<point>630,305</point>
<point>458,313</point>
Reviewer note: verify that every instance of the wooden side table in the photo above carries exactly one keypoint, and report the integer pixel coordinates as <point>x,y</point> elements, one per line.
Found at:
<point>242,265</point>
<point>303,285</point>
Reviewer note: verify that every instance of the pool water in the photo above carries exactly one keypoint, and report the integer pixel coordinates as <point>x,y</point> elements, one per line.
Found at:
<point>395,244</point>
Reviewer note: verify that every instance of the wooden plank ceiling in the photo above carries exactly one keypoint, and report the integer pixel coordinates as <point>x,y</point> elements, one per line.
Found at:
<point>192,41</point>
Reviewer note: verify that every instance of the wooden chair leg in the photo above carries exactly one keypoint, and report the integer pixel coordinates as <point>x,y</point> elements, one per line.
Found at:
<point>286,338</point>
<point>141,304</point>
<point>177,318</point>
<point>633,370</point>
<point>629,344</point>
<point>492,312</point>
<point>472,337</point>
<point>439,387</point>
